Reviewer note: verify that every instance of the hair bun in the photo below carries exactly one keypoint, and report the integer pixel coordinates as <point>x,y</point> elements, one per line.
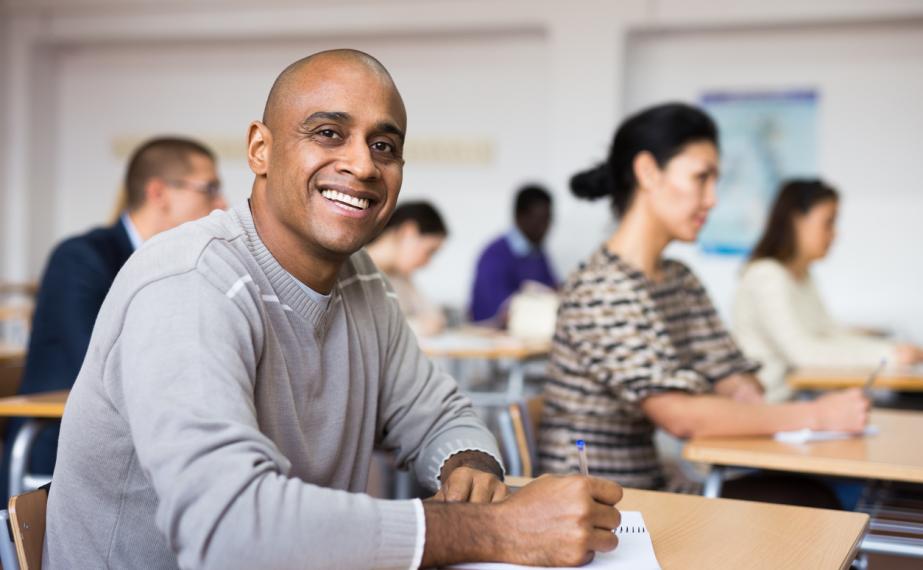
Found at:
<point>593,183</point>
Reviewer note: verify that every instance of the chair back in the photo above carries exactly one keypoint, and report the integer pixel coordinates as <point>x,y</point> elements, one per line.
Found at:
<point>27,521</point>
<point>519,424</point>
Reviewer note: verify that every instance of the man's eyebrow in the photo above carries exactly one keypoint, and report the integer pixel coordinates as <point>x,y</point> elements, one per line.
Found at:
<point>390,128</point>
<point>345,118</point>
<point>335,116</point>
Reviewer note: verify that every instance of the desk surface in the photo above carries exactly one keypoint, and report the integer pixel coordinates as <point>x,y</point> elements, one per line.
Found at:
<point>904,379</point>
<point>689,531</point>
<point>11,356</point>
<point>482,342</point>
<point>44,405</point>
<point>894,454</point>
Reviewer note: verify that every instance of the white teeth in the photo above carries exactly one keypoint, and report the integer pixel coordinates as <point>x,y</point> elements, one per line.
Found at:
<point>360,203</point>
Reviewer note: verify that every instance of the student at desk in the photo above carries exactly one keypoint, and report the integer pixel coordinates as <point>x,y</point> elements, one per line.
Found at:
<point>779,316</point>
<point>638,344</point>
<point>244,367</point>
<point>168,181</point>
<point>413,235</point>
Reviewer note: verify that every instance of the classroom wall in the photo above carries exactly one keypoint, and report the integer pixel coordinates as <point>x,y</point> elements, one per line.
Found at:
<point>869,78</point>
<point>499,92</point>
<point>470,126</point>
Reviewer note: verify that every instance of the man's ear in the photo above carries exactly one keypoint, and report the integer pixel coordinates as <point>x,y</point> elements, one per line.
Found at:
<point>155,193</point>
<point>647,172</point>
<point>259,142</point>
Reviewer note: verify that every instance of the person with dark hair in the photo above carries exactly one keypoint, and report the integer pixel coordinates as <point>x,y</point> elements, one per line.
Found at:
<point>168,181</point>
<point>638,344</point>
<point>245,366</point>
<point>514,258</point>
<point>412,236</point>
<point>779,316</point>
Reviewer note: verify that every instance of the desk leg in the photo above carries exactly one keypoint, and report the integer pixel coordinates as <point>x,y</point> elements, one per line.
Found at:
<point>19,456</point>
<point>515,385</point>
<point>713,482</point>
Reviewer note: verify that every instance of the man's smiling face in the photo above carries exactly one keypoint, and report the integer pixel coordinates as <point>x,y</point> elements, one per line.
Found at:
<point>335,165</point>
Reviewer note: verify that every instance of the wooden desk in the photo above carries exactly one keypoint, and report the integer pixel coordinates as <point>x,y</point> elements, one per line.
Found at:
<point>44,405</point>
<point>470,343</point>
<point>901,379</point>
<point>38,409</point>
<point>482,343</point>
<point>894,454</point>
<point>694,532</point>
<point>12,356</point>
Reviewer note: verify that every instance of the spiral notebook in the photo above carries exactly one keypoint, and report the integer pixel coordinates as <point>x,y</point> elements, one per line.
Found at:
<point>635,550</point>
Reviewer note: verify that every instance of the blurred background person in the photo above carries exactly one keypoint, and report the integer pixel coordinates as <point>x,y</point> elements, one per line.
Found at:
<point>514,258</point>
<point>168,181</point>
<point>779,316</point>
<point>413,235</point>
<point>639,344</point>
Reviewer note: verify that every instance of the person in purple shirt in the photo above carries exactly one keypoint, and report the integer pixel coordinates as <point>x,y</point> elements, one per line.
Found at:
<point>515,257</point>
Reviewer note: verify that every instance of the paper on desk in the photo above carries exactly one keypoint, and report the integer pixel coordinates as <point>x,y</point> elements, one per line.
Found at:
<point>806,435</point>
<point>634,552</point>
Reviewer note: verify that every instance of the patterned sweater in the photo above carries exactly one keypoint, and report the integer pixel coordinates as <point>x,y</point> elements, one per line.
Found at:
<point>619,339</point>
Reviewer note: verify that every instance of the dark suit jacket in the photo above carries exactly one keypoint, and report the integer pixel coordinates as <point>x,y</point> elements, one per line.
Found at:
<point>78,275</point>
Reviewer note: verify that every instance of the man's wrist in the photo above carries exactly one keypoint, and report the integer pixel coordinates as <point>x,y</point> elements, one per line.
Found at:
<point>463,532</point>
<point>472,459</point>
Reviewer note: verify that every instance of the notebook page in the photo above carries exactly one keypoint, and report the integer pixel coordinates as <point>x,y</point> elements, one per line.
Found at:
<point>635,551</point>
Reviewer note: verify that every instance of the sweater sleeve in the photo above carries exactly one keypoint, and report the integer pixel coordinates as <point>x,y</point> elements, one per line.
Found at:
<point>182,374</point>
<point>423,417</point>
<point>771,301</point>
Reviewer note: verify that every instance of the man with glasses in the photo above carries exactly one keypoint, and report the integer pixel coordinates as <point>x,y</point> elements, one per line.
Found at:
<point>169,181</point>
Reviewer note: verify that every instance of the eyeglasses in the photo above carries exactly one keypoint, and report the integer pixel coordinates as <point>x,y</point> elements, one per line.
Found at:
<point>212,188</point>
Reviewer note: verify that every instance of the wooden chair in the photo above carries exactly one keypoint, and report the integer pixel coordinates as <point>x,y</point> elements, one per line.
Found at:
<point>519,424</point>
<point>27,521</point>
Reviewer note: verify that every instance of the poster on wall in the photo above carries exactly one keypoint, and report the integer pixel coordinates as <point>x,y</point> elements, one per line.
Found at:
<point>766,137</point>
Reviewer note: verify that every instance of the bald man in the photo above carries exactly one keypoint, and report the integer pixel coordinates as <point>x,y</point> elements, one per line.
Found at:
<point>244,367</point>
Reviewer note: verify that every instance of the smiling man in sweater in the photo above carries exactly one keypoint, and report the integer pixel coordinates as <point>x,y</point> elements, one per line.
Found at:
<point>244,367</point>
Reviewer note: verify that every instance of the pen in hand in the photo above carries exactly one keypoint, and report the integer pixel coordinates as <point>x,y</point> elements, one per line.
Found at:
<point>581,455</point>
<point>873,376</point>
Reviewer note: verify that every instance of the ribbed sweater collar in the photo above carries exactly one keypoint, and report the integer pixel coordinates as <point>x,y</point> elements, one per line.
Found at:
<point>283,283</point>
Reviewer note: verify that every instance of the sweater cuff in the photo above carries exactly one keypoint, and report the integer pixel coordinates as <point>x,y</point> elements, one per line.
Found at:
<point>399,543</point>
<point>448,449</point>
<point>421,535</point>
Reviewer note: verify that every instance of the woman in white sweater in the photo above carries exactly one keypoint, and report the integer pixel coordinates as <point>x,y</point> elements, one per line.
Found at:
<point>779,316</point>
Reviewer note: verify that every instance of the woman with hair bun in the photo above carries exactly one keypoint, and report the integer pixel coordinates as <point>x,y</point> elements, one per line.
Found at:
<point>779,316</point>
<point>638,344</point>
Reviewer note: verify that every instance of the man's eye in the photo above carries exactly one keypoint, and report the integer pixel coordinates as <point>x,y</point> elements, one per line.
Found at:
<point>328,133</point>
<point>381,146</point>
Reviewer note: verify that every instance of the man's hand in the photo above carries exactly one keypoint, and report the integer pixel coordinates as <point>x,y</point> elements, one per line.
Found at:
<point>553,521</point>
<point>562,521</point>
<point>744,388</point>
<point>471,476</point>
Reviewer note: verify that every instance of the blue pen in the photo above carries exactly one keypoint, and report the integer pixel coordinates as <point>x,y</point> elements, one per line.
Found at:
<point>581,455</point>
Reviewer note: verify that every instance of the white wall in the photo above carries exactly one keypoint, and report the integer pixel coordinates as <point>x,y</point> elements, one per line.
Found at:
<point>541,82</point>
<point>456,86</point>
<point>870,81</point>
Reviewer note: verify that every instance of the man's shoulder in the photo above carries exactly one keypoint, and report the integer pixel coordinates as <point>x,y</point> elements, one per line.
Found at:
<point>211,243</point>
<point>94,242</point>
<point>497,248</point>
